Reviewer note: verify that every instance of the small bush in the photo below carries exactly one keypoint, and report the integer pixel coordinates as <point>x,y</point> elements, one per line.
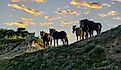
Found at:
<point>98,50</point>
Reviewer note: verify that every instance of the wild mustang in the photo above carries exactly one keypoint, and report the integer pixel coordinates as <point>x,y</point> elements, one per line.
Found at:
<point>47,38</point>
<point>59,35</point>
<point>91,26</point>
<point>95,27</point>
<point>85,28</point>
<point>78,32</point>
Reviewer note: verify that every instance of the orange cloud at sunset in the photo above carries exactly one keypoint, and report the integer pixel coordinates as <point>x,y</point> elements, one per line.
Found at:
<point>28,10</point>
<point>19,24</point>
<point>94,5</point>
<point>52,18</point>
<point>111,13</point>
<point>27,20</point>
<point>49,18</point>
<point>68,22</point>
<point>68,11</point>
<point>38,1</point>
<point>16,0</point>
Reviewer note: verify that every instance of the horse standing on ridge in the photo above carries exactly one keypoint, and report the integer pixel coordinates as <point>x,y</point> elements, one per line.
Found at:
<point>78,31</point>
<point>95,27</point>
<point>59,35</point>
<point>85,28</point>
<point>47,38</point>
<point>90,26</point>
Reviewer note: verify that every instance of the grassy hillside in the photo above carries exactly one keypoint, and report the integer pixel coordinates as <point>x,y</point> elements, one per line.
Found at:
<point>102,52</point>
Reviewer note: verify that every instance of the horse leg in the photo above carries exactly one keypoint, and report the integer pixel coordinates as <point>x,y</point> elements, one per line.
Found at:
<point>80,37</point>
<point>86,35</point>
<point>44,45</point>
<point>90,33</point>
<point>83,35</point>
<point>54,42</point>
<point>57,41</point>
<point>51,42</point>
<point>77,38</point>
<point>62,41</point>
<point>97,31</point>
<point>47,43</point>
<point>66,40</point>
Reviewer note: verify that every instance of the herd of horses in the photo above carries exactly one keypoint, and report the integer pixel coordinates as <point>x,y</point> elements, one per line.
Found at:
<point>86,27</point>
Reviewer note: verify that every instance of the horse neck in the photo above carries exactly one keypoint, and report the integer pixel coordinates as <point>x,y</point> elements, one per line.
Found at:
<point>78,29</point>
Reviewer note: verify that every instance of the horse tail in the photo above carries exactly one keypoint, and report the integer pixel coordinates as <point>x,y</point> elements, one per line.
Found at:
<point>99,26</point>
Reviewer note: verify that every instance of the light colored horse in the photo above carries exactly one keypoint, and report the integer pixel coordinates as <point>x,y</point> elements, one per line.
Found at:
<point>78,31</point>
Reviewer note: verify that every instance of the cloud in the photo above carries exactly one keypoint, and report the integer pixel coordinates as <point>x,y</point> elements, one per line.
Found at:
<point>116,0</point>
<point>106,4</point>
<point>27,20</point>
<point>117,18</point>
<point>68,11</point>
<point>49,18</point>
<point>38,1</point>
<point>28,10</point>
<point>20,24</point>
<point>68,22</point>
<point>52,18</point>
<point>111,13</point>
<point>94,5</point>
<point>46,23</point>
<point>16,1</point>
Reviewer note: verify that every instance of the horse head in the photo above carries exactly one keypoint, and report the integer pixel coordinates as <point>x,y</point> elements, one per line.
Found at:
<point>81,23</point>
<point>74,28</point>
<point>51,31</point>
<point>42,33</point>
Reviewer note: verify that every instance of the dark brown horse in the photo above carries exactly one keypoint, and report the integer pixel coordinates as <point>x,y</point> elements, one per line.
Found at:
<point>95,27</point>
<point>47,38</point>
<point>85,28</point>
<point>59,35</point>
<point>90,26</point>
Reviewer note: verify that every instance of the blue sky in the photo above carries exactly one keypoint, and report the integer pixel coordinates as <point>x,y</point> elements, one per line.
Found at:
<point>58,14</point>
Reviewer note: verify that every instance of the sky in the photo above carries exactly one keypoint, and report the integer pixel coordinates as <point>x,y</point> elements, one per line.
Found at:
<point>38,15</point>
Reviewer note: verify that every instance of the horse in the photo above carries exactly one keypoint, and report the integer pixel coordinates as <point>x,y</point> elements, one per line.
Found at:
<point>78,31</point>
<point>91,26</point>
<point>47,38</point>
<point>85,28</point>
<point>59,35</point>
<point>95,27</point>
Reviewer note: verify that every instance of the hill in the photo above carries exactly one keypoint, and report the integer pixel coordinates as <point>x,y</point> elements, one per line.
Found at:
<point>101,52</point>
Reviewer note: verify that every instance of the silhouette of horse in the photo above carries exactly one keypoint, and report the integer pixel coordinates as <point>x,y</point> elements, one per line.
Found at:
<point>78,32</point>
<point>85,28</point>
<point>47,38</point>
<point>91,25</point>
<point>59,35</point>
<point>94,27</point>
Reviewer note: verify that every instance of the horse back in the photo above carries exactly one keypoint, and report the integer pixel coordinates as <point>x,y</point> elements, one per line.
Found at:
<point>59,35</point>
